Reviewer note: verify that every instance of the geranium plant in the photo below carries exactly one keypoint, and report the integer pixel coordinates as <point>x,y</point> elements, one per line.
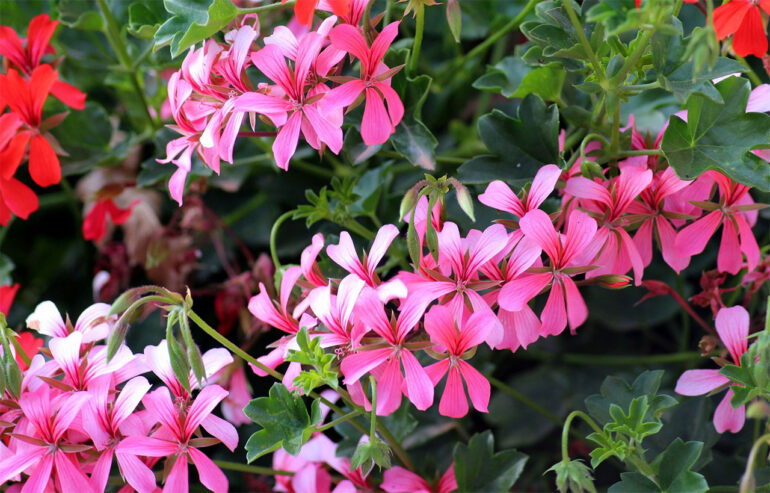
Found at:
<point>336,245</point>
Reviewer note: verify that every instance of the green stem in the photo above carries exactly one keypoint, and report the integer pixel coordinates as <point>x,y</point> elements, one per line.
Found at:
<point>565,430</point>
<point>632,60</point>
<point>483,46</point>
<point>373,417</point>
<point>615,143</point>
<point>612,360</point>
<point>312,168</point>
<point>265,8</point>
<point>236,466</point>
<point>747,480</point>
<point>642,152</point>
<point>414,57</point>
<point>359,229</point>
<point>342,419</point>
<point>584,42</point>
<point>113,37</point>
<point>20,350</point>
<point>750,71</point>
<point>525,400</point>
<point>274,235</point>
<point>242,211</point>
<point>386,16</point>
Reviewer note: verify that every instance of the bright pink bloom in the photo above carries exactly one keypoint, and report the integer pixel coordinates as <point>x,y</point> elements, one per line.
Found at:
<point>344,254</point>
<point>736,213</point>
<point>107,422</point>
<point>175,440</point>
<point>377,124</point>
<point>239,396</point>
<point>302,107</point>
<point>79,370</point>
<point>565,304</point>
<point>618,251</point>
<point>385,363</point>
<point>335,312</point>
<point>158,360</point>
<point>456,335</point>
<point>310,270</point>
<point>95,221</point>
<point>28,58</point>
<point>400,480</point>
<point>651,208</point>
<point>42,456</point>
<point>733,328</point>
<point>499,196</point>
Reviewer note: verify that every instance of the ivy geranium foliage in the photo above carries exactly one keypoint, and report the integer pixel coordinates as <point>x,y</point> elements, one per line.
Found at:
<point>366,245</point>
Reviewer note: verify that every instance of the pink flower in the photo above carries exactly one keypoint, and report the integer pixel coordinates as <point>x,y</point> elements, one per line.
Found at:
<point>335,312</point>
<point>499,196</point>
<point>42,455</point>
<point>344,254</point>
<point>377,124</point>
<point>400,480</point>
<point>735,212</point>
<point>310,270</point>
<point>733,328</point>
<point>158,360</point>
<point>385,363</point>
<point>93,323</point>
<point>456,335</point>
<point>175,440</point>
<point>618,251</point>
<point>301,106</point>
<point>79,370</point>
<point>565,304</point>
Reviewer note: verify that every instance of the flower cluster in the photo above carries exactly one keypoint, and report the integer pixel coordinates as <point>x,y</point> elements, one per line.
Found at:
<point>24,89</point>
<point>75,413</point>
<point>413,329</point>
<point>213,92</point>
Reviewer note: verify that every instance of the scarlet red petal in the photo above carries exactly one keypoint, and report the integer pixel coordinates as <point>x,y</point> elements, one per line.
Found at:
<point>40,83</point>
<point>94,222</point>
<point>304,10</point>
<point>750,38</point>
<point>11,48</point>
<point>44,165</point>
<point>40,30</point>
<point>7,293</point>
<point>118,215</point>
<point>11,156</point>
<point>728,17</point>
<point>18,197</point>
<point>69,95</point>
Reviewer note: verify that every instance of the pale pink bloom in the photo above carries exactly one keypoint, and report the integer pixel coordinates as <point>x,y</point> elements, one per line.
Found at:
<point>651,209</point>
<point>378,123</point>
<point>456,335</point>
<point>733,328</point>
<point>345,255</point>
<point>239,396</point>
<point>499,196</point>
<point>759,102</point>
<point>304,114</point>
<point>42,457</point>
<point>321,449</point>
<point>335,312</point>
<point>565,304</point>
<point>385,363</point>
<point>618,252</point>
<point>736,215</point>
<point>310,270</point>
<point>94,324</point>
<point>107,422</point>
<point>158,360</point>
<point>175,437</point>
<point>400,480</point>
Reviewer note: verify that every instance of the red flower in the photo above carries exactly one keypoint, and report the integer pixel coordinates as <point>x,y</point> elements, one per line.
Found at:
<point>744,19</point>
<point>95,222</point>
<point>30,345</point>
<point>39,32</point>
<point>27,103</point>
<point>15,197</point>
<point>7,293</point>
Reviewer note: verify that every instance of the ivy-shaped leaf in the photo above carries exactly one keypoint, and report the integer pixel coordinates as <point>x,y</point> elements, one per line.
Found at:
<point>193,21</point>
<point>633,424</point>
<point>674,464</point>
<point>312,354</point>
<point>284,420</point>
<point>513,78</point>
<point>607,447</point>
<point>615,390</point>
<point>479,468</point>
<point>145,18</point>
<point>719,136</point>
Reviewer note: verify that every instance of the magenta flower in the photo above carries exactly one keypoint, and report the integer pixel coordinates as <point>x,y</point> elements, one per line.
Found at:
<point>733,328</point>
<point>335,312</point>
<point>79,370</point>
<point>499,196</point>
<point>344,254</point>
<point>378,123</point>
<point>175,440</point>
<point>301,106</point>
<point>385,362</point>
<point>456,336</point>
<point>618,252</point>
<point>565,304</point>
<point>158,360</point>
<point>42,454</point>
<point>736,213</point>
<point>400,480</point>
<point>310,270</point>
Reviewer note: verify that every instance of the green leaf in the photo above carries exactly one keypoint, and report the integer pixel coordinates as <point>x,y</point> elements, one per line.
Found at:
<point>284,420</point>
<point>80,14</point>
<point>512,78</point>
<point>633,424</point>
<point>615,390</point>
<point>633,481</point>
<point>674,466</point>
<point>6,267</point>
<point>368,454</point>
<point>719,136</point>
<point>479,468</point>
<point>573,476</point>
<point>86,136</point>
<point>607,447</point>
<point>144,18</point>
<point>193,21</point>
<point>617,16</point>
<point>416,143</point>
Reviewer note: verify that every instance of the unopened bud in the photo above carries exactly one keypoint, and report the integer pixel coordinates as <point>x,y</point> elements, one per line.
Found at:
<point>614,281</point>
<point>463,198</point>
<point>758,410</point>
<point>591,169</point>
<point>408,203</point>
<point>454,18</point>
